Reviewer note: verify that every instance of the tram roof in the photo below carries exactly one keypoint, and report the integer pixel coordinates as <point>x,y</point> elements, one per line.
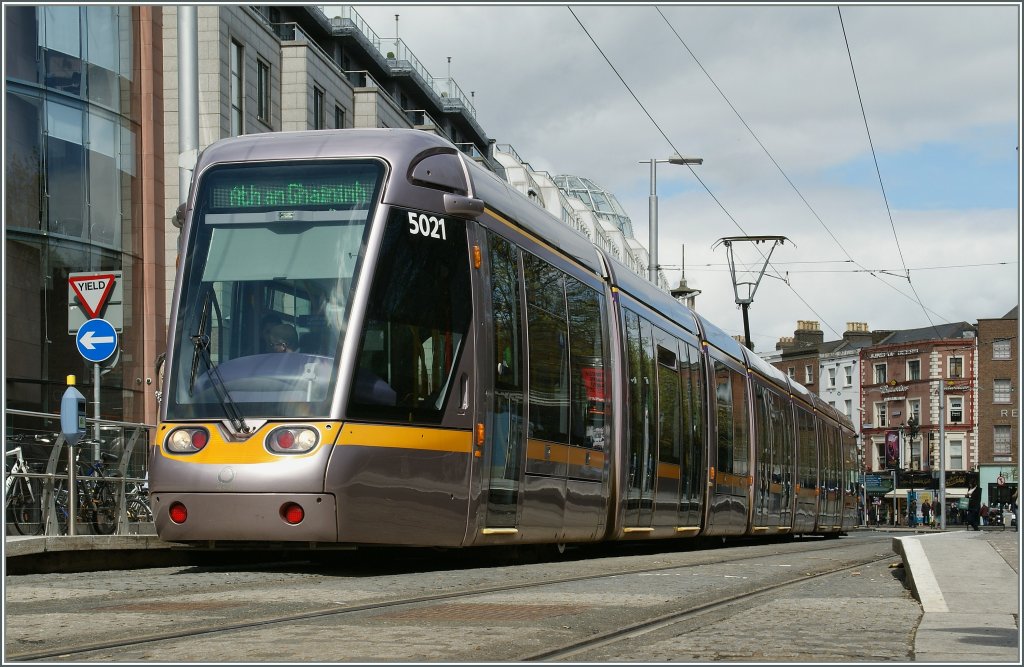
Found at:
<point>395,145</point>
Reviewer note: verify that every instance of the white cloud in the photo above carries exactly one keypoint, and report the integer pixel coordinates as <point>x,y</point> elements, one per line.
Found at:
<point>927,74</point>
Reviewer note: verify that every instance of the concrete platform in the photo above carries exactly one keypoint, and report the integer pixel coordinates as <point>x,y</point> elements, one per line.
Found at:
<point>968,583</point>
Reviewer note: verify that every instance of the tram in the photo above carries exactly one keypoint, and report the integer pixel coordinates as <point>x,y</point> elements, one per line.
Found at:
<point>376,341</point>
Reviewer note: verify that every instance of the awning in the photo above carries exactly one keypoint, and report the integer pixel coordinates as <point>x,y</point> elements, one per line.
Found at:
<point>954,492</point>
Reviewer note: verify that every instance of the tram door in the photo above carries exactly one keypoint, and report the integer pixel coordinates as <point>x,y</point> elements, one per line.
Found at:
<point>505,431</point>
<point>642,451</point>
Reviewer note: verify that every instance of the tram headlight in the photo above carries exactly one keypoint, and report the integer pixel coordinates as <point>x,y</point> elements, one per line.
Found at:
<point>187,440</point>
<point>292,440</point>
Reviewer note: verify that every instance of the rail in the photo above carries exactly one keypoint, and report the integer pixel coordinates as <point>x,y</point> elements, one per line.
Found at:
<point>44,449</point>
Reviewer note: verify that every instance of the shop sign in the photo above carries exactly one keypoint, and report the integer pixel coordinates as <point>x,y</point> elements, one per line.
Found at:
<point>894,353</point>
<point>878,485</point>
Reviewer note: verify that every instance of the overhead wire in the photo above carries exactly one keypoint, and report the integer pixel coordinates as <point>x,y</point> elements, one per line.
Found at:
<point>916,298</point>
<point>878,171</point>
<point>692,171</point>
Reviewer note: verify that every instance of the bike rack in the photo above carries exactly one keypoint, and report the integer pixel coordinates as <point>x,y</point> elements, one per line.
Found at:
<point>48,506</point>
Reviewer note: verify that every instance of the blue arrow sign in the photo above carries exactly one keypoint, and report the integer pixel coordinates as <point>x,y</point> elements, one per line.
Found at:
<point>96,340</point>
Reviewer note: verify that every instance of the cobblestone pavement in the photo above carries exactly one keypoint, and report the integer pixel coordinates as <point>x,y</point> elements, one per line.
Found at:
<point>863,616</point>
<point>826,619</point>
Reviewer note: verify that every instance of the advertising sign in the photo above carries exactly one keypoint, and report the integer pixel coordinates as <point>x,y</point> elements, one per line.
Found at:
<point>892,449</point>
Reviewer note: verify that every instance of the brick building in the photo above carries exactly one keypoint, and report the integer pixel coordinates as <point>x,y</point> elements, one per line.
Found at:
<point>998,407</point>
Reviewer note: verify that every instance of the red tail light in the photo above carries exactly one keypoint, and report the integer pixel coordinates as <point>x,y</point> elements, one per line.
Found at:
<point>292,513</point>
<point>178,513</point>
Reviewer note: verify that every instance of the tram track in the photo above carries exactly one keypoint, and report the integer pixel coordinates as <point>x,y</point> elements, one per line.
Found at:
<point>371,607</point>
<point>666,620</point>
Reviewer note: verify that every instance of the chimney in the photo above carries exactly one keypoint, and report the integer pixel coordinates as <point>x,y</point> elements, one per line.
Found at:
<point>808,333</point>
<point>785,343</point>
<point>857,331</point>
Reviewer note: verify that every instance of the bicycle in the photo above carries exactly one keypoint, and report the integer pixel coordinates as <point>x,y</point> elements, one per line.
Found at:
<point>136,503</point>
<point>23,495</point>
<point>96,500</point>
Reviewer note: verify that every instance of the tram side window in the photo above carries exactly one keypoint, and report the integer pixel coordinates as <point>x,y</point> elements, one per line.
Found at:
<point>417,318</point>
<point>808,451</point>
<point>741,443</point>
<point>724,397</point>
<point>693,430</point>
<point>669,414</point>
<point>505,297</point>
<point>586,355</point>
<point>548,336</point>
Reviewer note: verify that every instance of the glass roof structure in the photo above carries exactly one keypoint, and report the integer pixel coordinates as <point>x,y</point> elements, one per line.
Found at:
<point>601,202</point>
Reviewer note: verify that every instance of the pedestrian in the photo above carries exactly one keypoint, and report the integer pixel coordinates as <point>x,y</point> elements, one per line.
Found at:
<point>912,514</point>
<point>1013,509</point>
<point>984,515</point>
<point>937,518</point>
<point>974,508</point>
<point>926,510</point>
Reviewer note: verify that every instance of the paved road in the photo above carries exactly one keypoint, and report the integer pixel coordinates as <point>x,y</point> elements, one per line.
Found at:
<point>865,615</point>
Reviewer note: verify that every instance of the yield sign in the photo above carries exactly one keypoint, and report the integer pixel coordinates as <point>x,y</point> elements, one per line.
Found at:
<point>92,291</point>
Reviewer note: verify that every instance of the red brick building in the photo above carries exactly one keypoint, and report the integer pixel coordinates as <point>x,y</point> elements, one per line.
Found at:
<point>998,407</point>
<point>929,376</point>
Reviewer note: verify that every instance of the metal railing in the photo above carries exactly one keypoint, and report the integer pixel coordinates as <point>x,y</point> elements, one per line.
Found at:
<point>124,444</point>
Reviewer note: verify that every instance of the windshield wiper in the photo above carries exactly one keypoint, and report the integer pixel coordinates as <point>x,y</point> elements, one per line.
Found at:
<point>201,348</point>
<point>203,314</point>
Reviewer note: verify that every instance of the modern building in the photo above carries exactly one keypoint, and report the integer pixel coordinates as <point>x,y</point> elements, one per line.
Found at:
<point>998,390</point>
<point>93,159</point>
<point>83,157</point>
<point>92,156</point>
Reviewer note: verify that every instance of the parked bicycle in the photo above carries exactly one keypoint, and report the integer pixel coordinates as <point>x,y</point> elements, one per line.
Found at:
<point>23,494</point>
<point>136,502</point>
<point>96,492</point>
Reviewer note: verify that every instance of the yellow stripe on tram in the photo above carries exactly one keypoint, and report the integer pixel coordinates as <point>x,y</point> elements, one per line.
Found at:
<point>406,437</point>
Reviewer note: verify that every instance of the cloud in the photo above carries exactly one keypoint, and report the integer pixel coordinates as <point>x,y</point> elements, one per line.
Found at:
<point>940,91</point>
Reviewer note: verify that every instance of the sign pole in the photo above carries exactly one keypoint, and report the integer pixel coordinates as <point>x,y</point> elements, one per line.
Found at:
<point>942,452</point>
<point>96,411</point>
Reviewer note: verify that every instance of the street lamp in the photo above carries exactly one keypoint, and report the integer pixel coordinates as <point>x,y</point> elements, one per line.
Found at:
<point>652,268</point>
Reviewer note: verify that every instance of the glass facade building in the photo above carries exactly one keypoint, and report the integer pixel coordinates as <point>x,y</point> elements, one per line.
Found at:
<point>603,203</point>
<point>72,194</point>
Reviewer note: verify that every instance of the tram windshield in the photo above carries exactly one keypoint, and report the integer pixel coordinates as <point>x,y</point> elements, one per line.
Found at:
<point>272,260</point>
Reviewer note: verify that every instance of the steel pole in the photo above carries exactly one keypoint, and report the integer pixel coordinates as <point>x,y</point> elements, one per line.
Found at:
<point>942,453</point>
<point>746,326</point>
<point>96,411</point>
<point>188,96</point>
<point>652,269</point>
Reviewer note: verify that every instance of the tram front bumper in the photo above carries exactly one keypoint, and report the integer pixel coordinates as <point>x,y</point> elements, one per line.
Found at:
<point>261,517</point>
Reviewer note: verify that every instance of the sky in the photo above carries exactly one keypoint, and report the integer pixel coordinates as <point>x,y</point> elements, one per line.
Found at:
<point>878,139</point>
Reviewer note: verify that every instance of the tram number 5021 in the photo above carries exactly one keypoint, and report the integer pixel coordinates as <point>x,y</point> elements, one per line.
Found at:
<point>427,225</point>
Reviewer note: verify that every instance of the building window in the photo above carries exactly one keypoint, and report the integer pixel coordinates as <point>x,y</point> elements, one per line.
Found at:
<point>955,455</point>
<point>1001,391</point>
<point>791,371</point>
<point>1001,443</point>
<point>848,370</point>
<point>1001,349</point>
<point>914,408</point>
<point>914,369</point>
<point>263,91</point>
<point>880,373</point>
<point>956,367</point>
<point>318,109</point>
<point>808,374</point>
<point>956,410</point>
<point>339,117</point>
<point>849,408</point>
<point>881,417</point>
<point>832,378</point>
<point>237,88</point>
